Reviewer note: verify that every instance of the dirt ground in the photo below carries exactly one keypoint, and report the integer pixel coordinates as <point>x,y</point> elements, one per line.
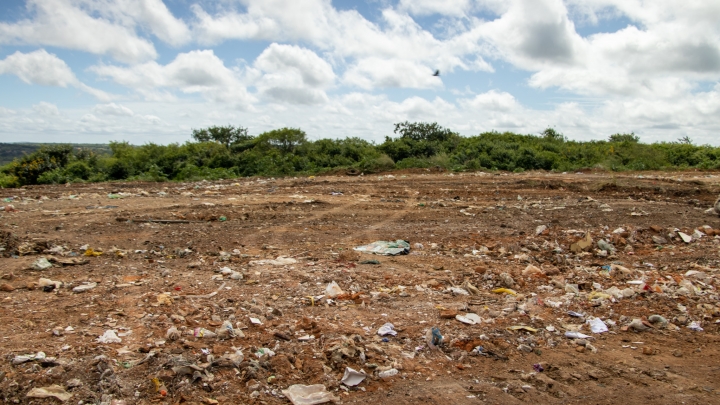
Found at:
<point>181,268</point>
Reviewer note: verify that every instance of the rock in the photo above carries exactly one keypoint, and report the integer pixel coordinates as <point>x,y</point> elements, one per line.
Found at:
<point>6,287</point>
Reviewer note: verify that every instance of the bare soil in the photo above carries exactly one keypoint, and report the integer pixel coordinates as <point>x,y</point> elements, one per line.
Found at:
<point>462,228</point>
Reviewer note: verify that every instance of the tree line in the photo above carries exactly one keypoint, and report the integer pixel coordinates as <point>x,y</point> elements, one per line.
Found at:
<point>223,152</point>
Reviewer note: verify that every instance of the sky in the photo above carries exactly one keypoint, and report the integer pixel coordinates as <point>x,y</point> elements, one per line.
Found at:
<point>93,71</point>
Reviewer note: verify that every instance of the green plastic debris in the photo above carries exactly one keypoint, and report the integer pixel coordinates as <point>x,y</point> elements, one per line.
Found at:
<point>399,247</point>
<point>222,218</point>
<point>370,262</point>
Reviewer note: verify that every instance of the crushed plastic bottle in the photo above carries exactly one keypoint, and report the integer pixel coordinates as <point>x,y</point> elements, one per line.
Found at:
<point>388,373</point>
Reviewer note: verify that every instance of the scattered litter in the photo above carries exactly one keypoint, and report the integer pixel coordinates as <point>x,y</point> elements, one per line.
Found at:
<point>84,287</point>
<point>582,244</point>
<point>333,290</point>
<point>522,327</point>
<point>597,325</point>
<point>459,291</point>
<point>280,261</point>
<point>300,394</point>
<point>352,377</point>
<point>387,329</point>
<point>399,247</point>
<point>92,253</point>
<point>470,319</point>
<point>264,351</point>
<point>53,391</point>
<point>433,337</point>
<point>685,237</point>
<point>388,373</point>
<point>576,335</point>
<point>41,264</point>
<point>109,336</point>
<point>695,325</point>
<point>39,356</point>
<point>370,262</point>
<point>504,291</point>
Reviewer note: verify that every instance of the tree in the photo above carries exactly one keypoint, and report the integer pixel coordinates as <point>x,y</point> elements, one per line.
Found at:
<point>226,135</point>
<point>552,135</point>
<point>685,140</point>
<point>285,139</point>
<point>423,131</point>
<point>622,138</point>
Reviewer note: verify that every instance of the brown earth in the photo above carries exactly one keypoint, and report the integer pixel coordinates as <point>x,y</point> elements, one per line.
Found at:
<point>462,228</point>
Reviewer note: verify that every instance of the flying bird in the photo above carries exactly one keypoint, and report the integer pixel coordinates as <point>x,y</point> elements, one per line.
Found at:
<point>437,72</point>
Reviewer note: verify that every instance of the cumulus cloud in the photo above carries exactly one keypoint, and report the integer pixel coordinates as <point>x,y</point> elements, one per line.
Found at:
<point>200,72</point>
<point>113,109</point>
<point>491,101</point>
<point>663,52</point>
<point>65,24</point>
<point>347,37</point>
<point>455,8</point>
<point>368,73</point>
<point>293,74</point>
<point>45,69</point>
<point>534,33</point>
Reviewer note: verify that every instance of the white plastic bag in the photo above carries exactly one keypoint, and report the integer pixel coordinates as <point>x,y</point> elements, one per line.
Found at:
<point>597,325</point>
<point>333,290</point>
<point>109,337</point>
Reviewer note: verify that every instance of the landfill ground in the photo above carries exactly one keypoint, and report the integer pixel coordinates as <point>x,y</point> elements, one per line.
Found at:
<point>181,268</point>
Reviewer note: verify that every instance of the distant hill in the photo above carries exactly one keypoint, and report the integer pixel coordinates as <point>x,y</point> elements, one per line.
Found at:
<point>11,151</point>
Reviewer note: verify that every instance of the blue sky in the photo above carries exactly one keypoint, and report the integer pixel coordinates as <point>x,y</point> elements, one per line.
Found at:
<point>151,70</point>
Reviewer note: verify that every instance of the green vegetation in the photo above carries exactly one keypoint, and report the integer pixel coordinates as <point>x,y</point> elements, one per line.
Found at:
<point>229,152</point>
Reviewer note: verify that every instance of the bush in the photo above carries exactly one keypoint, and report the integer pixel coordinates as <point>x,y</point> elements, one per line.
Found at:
<point>8,181</point>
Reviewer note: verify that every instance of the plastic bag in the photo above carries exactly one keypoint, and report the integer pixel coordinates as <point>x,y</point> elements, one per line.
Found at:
<point>333,290</point>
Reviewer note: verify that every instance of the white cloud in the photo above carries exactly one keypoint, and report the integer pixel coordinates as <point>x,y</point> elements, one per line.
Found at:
<point>66,24</point>
<point>45,69</point>
<point>491,101</point>
<point>347,37</point>
<point>38,67</point>
<point>368,73</point>
<point>46,109</point>
<point>113,109</point>
<point>455,8</point>
<point>293,74</point>
<point>534,33</point>
<point>192,72</point>
<point>6,112</point>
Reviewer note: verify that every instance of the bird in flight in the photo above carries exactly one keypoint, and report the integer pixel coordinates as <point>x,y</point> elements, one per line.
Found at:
<point>437,72</point>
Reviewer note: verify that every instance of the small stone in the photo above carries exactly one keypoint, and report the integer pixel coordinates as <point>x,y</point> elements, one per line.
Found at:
<point>580,349</point>
<point>6,287</point>
<point>647,350</point>
<point>448,313</point>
